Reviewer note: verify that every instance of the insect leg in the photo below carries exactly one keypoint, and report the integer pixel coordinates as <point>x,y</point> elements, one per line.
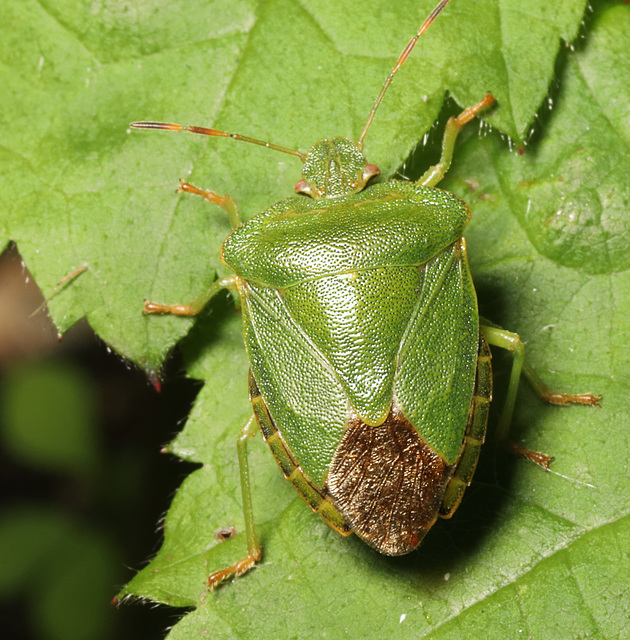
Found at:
<point>512,342</point>
<point>254,553</point>
<point>196,305</point>
<point>226,202</point>
<point>454,125</point>
<point>559,399</point>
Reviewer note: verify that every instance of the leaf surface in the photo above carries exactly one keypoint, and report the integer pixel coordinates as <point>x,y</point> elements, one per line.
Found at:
<point>547,249</point>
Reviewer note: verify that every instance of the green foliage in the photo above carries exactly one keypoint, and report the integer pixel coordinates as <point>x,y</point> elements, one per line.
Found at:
<point>63,567</point>
<point>39,429</point>
<point>547,245</point>
<point>47,554</point>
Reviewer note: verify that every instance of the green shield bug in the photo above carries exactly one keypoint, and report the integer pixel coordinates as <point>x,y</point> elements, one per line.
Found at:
<point>370,373</point>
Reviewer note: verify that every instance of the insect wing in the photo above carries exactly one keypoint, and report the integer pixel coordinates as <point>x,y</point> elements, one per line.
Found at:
<point>438,355</point>
<point>299,386</point>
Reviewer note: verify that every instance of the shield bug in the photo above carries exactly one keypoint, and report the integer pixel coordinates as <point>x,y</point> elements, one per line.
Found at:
<point>370,373</point>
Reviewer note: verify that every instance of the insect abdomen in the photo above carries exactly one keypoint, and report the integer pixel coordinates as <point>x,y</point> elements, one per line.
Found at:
<point>475,433</point>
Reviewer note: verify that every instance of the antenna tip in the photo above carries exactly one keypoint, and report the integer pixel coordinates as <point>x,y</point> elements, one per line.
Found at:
<point>156,125</point>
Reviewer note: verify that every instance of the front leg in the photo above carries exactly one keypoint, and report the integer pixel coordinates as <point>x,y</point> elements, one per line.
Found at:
<point>226,202</point>
<point>435,173</point>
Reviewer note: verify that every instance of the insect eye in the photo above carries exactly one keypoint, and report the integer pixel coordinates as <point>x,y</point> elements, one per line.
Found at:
<point>305,188</point>
<point>370,171</point>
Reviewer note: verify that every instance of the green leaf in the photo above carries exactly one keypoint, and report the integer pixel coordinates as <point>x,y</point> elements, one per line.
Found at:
<point>85,196</point>
<point>528,553</point>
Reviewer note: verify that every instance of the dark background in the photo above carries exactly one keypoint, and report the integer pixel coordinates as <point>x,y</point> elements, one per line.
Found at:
<point>84,485</point>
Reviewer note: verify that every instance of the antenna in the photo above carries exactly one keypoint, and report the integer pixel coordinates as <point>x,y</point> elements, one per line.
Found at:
<point>215,132</point>
<point>401,60</point>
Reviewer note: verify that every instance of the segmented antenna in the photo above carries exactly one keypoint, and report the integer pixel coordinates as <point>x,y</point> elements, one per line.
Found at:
<point>215,132</point>
<point>269,145</point>
<point>401,60</point>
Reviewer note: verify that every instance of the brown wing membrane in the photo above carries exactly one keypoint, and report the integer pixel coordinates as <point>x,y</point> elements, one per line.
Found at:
<point>387,483</point>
